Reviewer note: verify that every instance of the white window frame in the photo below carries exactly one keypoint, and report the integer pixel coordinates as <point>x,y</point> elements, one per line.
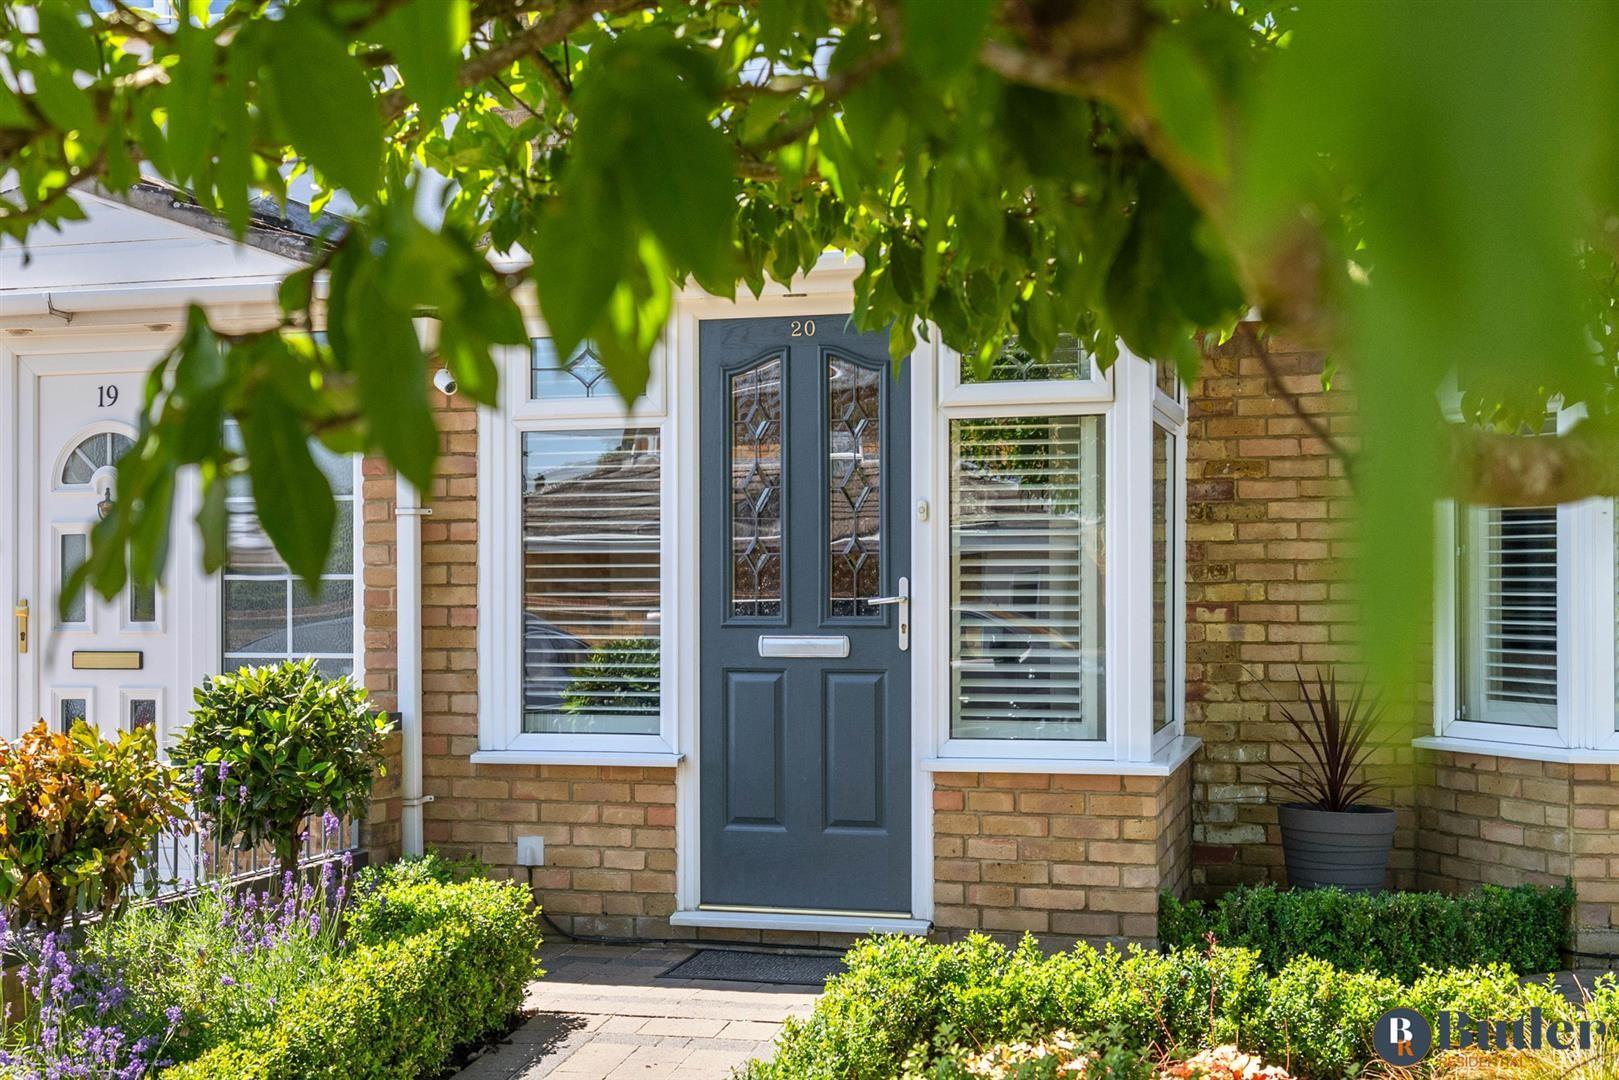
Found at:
<point>1128,401</point>
<point>1169,414</point>
<point>1586,691</point>
<point>501,738</point>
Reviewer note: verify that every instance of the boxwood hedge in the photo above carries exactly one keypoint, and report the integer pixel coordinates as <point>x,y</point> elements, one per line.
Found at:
<point>1392,933</point>
<point>434,965</point>
<point>906,1007</point>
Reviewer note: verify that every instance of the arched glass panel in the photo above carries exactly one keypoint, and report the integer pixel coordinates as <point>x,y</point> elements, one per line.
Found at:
<point>95,451</point>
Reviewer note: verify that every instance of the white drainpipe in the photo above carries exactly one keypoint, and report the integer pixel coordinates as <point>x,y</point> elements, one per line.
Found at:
<point>408,512</point>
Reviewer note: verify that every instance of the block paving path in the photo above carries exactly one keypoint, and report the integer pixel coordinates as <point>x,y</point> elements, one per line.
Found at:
<point>600,1013</point>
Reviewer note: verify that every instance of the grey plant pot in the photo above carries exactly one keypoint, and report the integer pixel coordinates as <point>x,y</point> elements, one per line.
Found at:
<point>1346,849</point>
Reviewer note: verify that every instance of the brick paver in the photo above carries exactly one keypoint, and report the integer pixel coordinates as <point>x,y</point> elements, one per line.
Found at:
<point>600,1013</point>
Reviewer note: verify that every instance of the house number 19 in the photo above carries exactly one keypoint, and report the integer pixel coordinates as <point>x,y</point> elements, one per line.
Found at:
<point>105,396</point>
<point>803,328</point>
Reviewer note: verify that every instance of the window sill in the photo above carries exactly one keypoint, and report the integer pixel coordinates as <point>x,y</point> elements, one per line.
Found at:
<point>1557,754</point>
<point>647,759</point>
<point>1164,763</point>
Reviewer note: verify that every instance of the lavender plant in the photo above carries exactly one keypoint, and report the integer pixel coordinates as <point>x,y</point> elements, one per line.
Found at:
<point>76,1018</point>
<point>227,957</point>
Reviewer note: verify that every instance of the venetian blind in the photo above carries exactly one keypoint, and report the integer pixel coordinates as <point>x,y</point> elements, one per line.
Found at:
<point>1026,564</point>
<point>591,581</point>
<point>1512,567</point>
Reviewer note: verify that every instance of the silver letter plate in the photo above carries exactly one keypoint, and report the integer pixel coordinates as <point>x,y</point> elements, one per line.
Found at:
<point>823,645</point>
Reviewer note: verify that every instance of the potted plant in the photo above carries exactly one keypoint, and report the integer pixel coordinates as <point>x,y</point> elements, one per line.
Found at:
<point>1329,836</point>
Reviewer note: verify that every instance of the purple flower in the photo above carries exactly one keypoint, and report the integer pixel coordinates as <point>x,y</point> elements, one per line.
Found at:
<point>330,822</point>
<point>226,980</point>
<point>172,1013</point>
<point>224,770</point>
<point>241,794</point>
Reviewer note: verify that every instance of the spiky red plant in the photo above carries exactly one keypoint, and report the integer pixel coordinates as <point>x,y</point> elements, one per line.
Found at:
<point>1337,739</point>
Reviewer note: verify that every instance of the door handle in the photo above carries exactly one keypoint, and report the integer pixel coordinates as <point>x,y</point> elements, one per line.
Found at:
<point>903,599</point>
<point>21,612</point>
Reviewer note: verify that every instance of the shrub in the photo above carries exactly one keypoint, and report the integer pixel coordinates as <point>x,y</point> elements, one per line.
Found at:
<point>620,676</point>
<point>221,962</point>
<point>433,966</point>
<point>1395,933</point>
<point>271,746</point>
<point>905,1007</point>
<point>419,869</point>
<point>78,815</point>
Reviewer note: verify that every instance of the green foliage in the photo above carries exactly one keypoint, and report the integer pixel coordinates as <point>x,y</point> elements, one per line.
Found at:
<point>1317,1020</point>
<point>906,1007</point>
<point>1400,934</point>
<point>619,676</point>
<point>1454,214</point>
<point>431,868</point>
<point>271,746</point>
<point>214,962</point>
<point>433,966</point>
<point>78,818</point>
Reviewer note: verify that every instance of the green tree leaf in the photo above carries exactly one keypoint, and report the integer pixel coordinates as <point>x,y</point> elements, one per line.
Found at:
<point>324,100</point>
<point>1185,100</point>
<point>426,41</point>
<point>942,39</point>
<point>290,493</point>
<point>188,101</point>
<point>65,38</point>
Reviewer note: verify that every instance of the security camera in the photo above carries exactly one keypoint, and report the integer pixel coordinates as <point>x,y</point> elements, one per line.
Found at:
<point>445,382</point>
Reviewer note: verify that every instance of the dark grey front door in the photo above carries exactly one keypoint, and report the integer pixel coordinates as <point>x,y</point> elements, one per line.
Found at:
<point>805,490</point>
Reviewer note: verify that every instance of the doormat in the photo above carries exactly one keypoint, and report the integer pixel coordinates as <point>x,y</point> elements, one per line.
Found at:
<point>734,965</point>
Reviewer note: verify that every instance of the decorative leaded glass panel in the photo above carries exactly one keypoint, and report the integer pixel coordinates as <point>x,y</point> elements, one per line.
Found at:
<point>142,602</point>
<point>73,710</point>
<point>756,521</point>
<point>75,549</point>
<point>580,375</point>
<point>854,451</point>
<point>1017,364</point>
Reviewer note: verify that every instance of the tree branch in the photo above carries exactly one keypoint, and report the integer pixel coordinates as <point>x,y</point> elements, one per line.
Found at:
<point>546,31</point>
<point>1515,470</point>
<point>1311,422</point>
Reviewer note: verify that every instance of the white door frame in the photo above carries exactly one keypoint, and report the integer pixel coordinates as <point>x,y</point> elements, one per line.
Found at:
<point>87,350</point>
<point>828,291</point>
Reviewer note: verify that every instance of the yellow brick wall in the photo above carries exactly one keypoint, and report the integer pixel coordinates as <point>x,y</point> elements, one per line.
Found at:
<point>1268,592</point>
<point>1505,821</point>
<point>1057,856</point>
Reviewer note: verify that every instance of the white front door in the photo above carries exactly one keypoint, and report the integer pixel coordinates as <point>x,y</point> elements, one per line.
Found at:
<point>119,663</point>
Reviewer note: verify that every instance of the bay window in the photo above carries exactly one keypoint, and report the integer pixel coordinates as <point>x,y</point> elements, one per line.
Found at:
<point>1061,626</point>
<point>1525,621</point>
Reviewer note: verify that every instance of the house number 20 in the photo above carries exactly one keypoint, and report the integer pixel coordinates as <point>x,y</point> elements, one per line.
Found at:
<point>106,395</point>
<point>803,328</point>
